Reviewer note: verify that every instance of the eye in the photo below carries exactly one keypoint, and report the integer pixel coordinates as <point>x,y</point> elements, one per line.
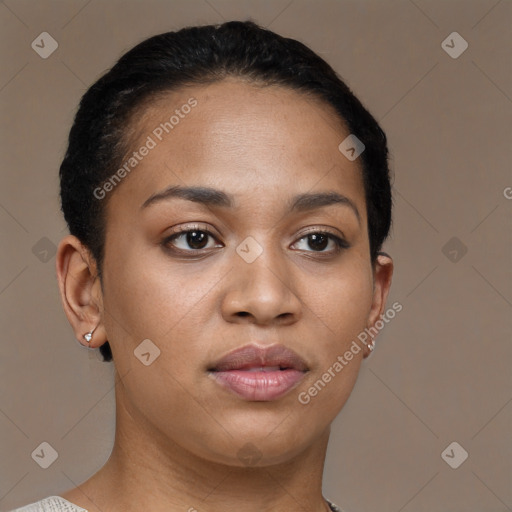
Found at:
<point>191,240</point>
<point>319,241</point>
<point>194,240</point>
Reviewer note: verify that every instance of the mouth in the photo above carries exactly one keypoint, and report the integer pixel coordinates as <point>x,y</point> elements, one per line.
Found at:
<point>259,374</point>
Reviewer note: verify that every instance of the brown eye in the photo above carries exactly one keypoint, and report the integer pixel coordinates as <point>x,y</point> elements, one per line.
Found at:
<point>190,241</point>
<point>196,239</point>
<point>319,241</point>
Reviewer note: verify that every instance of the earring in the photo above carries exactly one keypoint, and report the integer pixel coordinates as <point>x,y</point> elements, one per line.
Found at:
<point>88,336</point>
<point>370,346</point>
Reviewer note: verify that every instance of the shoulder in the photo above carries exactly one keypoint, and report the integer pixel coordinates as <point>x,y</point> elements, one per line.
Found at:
<point>51,504</point>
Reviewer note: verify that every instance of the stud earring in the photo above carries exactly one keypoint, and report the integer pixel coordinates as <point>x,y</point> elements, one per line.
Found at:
<point>88,336</point>
<point>370,346</point>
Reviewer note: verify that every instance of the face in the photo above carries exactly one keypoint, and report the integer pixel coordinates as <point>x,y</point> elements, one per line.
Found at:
<point>272,250</point>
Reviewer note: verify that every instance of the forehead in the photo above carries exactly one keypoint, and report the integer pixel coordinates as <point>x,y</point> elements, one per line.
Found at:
<point>242,138</point>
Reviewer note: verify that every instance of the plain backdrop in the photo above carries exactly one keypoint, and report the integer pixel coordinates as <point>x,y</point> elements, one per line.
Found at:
<point>441,372</point>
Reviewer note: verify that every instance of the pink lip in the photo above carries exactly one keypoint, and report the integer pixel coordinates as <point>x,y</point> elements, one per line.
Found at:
<point>259,374</point>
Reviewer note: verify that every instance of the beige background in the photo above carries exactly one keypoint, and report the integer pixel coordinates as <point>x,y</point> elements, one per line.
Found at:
<point>442,368</point>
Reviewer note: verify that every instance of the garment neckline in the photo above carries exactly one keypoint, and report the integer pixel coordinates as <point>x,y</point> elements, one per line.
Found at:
<point>332,506</point>
<point>66,502</point>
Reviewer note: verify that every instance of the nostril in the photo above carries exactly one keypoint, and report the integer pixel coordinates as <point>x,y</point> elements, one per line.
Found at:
<point>242,313</point>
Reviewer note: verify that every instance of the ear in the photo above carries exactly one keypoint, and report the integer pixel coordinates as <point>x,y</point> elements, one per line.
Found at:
<point>382,275</point>
<point>80,290</point>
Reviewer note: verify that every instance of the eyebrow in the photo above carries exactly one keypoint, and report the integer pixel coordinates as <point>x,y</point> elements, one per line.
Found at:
<point>213,197</point>
<point>311,201</point>
<point>204,195</point>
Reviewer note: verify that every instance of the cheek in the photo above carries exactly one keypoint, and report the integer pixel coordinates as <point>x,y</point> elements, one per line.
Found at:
<point>147,298</point>
<point>339,307</point>
<point>342,302</point>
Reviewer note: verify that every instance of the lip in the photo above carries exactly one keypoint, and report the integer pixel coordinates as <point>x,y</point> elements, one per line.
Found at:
<point>259,373</point>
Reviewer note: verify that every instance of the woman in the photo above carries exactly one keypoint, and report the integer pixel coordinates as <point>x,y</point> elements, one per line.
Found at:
<point>227,198</point>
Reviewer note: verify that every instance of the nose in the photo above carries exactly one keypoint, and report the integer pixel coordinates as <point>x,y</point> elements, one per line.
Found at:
<point>261,292</point>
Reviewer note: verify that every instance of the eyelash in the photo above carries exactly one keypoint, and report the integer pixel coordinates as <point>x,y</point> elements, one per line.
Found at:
<point>340,243</point>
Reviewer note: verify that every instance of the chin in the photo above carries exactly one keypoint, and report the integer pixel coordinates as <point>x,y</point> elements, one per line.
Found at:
<point>262,447</point>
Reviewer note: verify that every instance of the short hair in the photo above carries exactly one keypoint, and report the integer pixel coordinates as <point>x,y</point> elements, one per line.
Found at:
<point>99,136</point>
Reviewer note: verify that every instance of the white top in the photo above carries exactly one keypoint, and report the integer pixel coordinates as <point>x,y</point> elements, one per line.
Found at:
<point>51,504</point>
<point>58,504</point>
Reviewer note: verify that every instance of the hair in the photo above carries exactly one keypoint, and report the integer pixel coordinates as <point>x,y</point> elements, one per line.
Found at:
<point>99,137</point>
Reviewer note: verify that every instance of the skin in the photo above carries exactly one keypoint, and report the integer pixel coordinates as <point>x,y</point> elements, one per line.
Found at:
<point>178,432</point>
